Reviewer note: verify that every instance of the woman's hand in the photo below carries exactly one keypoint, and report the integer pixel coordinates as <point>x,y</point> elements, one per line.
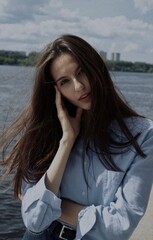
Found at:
<point>70,125</point>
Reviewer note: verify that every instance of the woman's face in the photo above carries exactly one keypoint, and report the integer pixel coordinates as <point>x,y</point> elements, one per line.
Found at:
<point>71,81</point>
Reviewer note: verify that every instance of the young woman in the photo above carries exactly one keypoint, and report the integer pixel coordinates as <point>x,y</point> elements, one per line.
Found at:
<point>83,159</point>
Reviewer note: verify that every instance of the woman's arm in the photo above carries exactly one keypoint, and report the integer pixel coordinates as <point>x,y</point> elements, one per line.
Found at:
<point>55,171</point>
<point>43,195</point>
<point>71,128</point>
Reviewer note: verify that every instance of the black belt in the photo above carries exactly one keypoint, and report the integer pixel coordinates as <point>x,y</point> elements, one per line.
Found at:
<point>62,231</point>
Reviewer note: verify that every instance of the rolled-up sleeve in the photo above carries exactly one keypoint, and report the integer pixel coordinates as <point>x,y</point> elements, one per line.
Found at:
<point>120,217</point>
<point>39,206</point>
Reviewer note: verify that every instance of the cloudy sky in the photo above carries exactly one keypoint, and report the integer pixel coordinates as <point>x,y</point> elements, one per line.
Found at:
<point>124,26</point>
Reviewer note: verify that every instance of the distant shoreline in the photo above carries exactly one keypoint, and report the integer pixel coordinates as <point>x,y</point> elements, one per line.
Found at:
<point>16,58</point>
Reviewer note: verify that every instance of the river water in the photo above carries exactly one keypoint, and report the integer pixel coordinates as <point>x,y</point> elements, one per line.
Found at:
<point>15,88</point>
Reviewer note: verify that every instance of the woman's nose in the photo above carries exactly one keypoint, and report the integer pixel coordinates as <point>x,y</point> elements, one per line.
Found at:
<point>78,85</point>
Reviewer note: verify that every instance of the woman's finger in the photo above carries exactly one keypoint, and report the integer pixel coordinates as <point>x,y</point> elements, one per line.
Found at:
<point>58,100</point>
<point>58,96</point>
<point>61,110</point>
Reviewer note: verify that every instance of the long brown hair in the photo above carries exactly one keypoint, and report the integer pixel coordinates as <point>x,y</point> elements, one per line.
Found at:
<point>36,132</point>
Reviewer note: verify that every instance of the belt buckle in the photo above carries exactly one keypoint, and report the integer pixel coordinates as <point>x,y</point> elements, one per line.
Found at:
<point>62,232</point>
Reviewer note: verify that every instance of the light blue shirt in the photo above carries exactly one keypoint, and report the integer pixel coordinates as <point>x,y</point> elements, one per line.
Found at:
<point>116,201</point>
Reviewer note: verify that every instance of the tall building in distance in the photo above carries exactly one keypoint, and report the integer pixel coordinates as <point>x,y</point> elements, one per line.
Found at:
<point>115,56</point>
<point>103,55</point>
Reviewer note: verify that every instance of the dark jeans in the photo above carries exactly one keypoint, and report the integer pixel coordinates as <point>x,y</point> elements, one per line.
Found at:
<point>49,234</point>
<point>36,236</point>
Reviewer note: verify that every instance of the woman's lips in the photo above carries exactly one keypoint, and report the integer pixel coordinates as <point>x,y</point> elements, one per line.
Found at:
<point>84,97</point>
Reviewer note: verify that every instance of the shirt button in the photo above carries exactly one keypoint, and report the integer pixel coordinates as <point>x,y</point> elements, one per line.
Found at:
<point>83,193</point>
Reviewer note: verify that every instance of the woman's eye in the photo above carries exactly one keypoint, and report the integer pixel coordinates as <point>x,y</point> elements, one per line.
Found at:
<point>64,81</point>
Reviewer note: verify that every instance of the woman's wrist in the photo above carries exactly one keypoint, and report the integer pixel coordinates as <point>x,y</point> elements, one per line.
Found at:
<point>67,141</point>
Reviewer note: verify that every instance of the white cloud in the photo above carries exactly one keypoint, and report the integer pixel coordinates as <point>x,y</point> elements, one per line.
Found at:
<point>48,19</point>
<point>117,26</point>
<point>144,5</point>
<point>131,47</point>
<point>68,14</point>
<point>22,11</point>
<point>120,34</point>
<point>2,5</point>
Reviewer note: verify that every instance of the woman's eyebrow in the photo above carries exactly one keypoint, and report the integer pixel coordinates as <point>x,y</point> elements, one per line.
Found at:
<point>63,77</point>
<point>59,79</point>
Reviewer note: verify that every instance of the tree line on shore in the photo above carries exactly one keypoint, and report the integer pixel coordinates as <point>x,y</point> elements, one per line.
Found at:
<point>23,59</point>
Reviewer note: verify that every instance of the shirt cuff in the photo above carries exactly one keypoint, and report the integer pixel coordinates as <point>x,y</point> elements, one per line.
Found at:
<point>86,221</point>
<point>40,192</point>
